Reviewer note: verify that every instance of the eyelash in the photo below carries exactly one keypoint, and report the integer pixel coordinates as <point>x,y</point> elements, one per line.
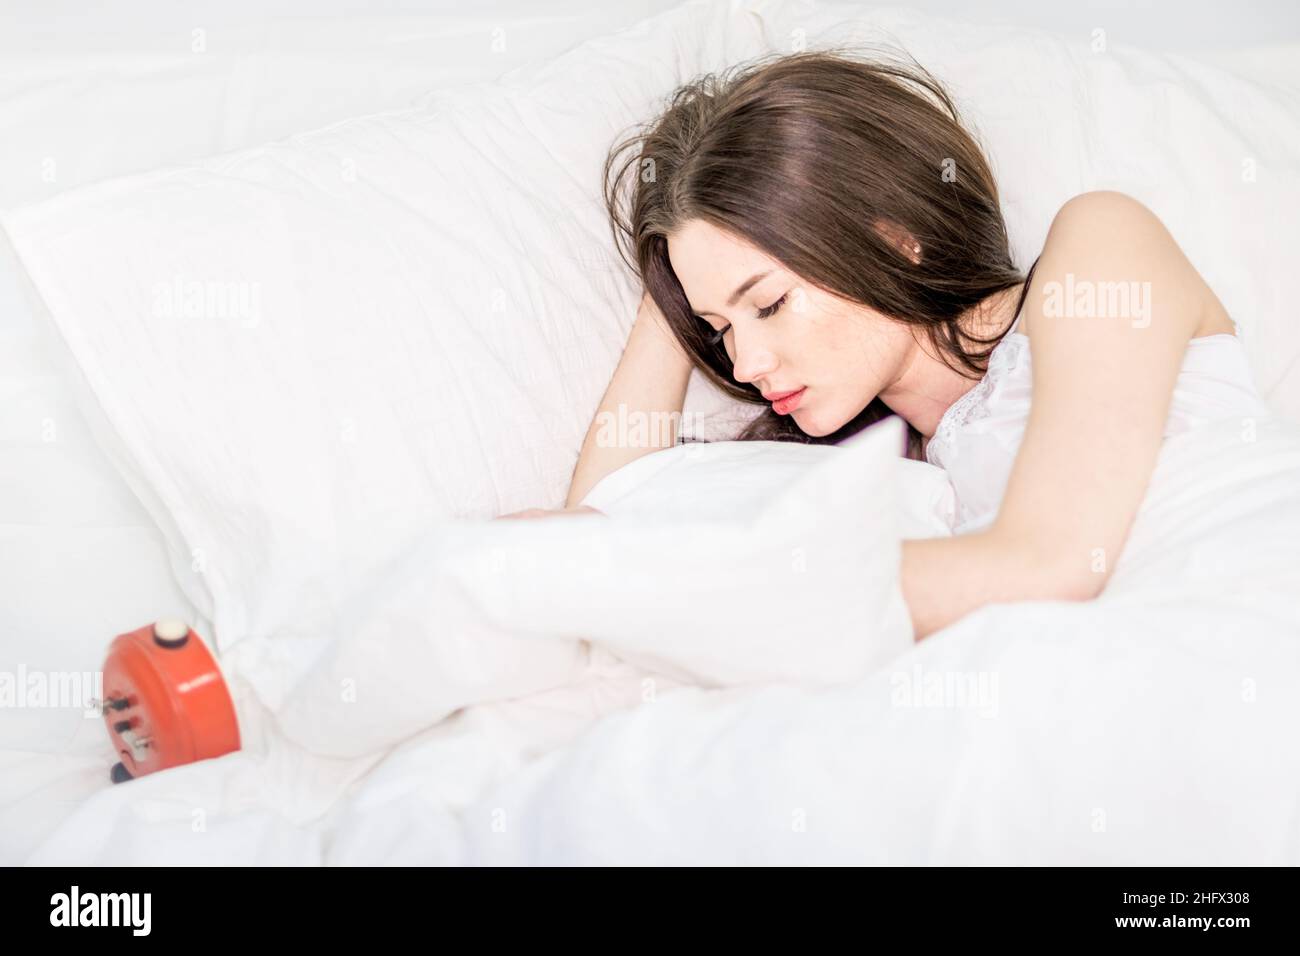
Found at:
<point>764,313</point>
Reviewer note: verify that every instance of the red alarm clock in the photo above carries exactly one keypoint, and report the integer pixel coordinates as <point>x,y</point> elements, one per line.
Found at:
<point>165,701</point>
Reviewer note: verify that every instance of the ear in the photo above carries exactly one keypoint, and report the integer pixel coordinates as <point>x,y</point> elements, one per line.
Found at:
<point>900,239</point>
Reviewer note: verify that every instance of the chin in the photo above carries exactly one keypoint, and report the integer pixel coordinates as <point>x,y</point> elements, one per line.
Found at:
<point>813,426</point>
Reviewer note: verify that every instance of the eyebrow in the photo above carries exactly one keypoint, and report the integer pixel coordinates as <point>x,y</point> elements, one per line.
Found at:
<point>740,290</point>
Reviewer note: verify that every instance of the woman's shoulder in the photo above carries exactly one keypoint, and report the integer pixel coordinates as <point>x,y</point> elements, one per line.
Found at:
<point>1103,242</point>
<point>1098,211</point>
<point>1104,202</point>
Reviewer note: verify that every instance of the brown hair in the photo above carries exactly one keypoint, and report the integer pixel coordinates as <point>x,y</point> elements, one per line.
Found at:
<point>807,156</point>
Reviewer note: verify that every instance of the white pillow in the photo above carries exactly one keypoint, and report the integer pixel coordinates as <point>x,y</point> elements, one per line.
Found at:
<point>69,525</point>
<point>422,308</point>
<point>307,353</point>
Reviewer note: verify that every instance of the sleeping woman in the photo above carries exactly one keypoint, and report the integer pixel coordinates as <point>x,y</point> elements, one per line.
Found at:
<point>819,234</point>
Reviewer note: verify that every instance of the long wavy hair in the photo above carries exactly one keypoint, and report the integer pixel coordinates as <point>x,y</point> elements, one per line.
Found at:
<point>820,159</point>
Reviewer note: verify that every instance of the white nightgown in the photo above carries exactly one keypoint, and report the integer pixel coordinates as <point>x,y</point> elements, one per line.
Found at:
<point>977,438</point>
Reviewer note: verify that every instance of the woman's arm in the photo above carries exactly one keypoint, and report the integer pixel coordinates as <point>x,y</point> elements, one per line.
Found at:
<point>1103,381</point>
<point>944,579</point>
<point>651,378</point>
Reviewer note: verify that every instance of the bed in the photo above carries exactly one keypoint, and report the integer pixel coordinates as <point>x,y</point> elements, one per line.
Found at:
<point>1149,726</point>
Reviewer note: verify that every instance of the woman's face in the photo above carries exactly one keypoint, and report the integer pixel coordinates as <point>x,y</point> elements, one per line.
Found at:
<point>784,334</point>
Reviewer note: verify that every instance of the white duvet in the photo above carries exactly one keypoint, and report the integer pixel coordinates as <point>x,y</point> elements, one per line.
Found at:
<point>1153,725</point>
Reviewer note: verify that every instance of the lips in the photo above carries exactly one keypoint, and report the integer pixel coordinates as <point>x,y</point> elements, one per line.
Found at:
<point>777,396</point>
<point>788,401</point>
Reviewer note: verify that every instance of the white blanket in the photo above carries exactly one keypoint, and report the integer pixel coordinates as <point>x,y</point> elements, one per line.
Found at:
<point>803,588</point>
<point>1151,726</point>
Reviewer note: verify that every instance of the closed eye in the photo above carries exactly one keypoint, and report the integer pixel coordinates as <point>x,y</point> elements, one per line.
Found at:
<point>764,313</point>
<point>772,309</point>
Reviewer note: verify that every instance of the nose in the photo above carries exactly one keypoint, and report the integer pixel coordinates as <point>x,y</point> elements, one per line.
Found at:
<point>752,361</point>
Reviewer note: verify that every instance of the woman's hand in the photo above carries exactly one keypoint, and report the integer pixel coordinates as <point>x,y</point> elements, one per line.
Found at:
<point>551,512</point>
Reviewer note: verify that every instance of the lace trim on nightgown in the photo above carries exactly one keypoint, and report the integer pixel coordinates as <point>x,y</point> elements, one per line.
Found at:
<point>1005,355</point>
